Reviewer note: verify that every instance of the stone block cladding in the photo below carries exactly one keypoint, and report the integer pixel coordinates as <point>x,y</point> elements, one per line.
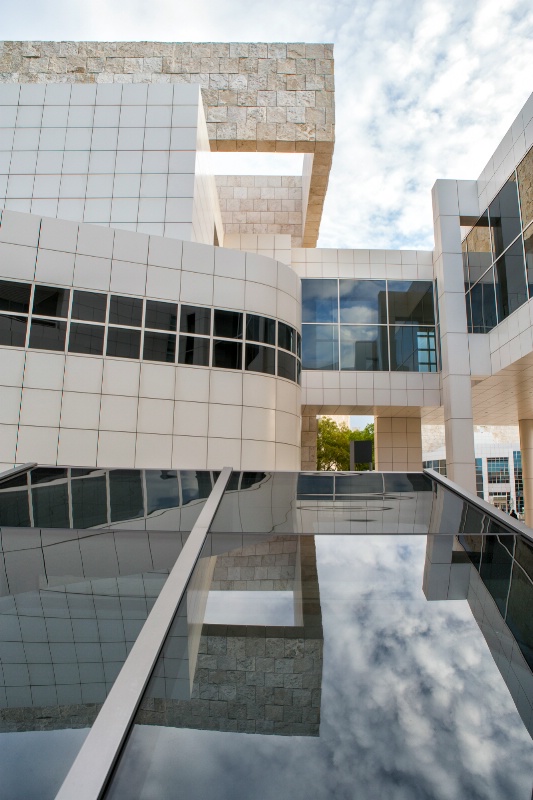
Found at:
<point>261,204</point>
<point>266,97</point>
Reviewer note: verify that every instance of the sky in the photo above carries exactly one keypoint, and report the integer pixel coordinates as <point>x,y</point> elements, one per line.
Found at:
<point>425,89</point>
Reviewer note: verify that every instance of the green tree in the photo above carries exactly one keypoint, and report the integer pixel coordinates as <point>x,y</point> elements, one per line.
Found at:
<point>333,444</point>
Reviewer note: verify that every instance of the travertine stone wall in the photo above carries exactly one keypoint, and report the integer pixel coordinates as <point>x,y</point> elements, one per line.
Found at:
<point>261,204</point>
<point>267,97</point>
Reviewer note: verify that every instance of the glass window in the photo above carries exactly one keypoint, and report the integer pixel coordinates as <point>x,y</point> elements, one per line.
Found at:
<point>524,172</point>
<point>195,485</point>
<point>482,299</point>
<point>320,347</point>
<point>260,329</point>
<point>364,347</point>
<point>125,494</point>
<point>511,291</point>
<point>89,498</point>
<point>162,490</point>
<point>260,359</point>
<point>504,217</point>
<point>14,296</point>
<point>13,330</point>
<point>89,306</point>
<point>50,498</point>
<point>363,302</point>
<point>498,470</point>
<point>287,337</point>
<point>228,324</point>
<point>47,335</point>
<point>528,249</point>
<point>86,338</point>
<point>194,350</point>
<point>194,319</point>
<point>161,315</point>
<point>298,345</point>
<point>50,302</point>
<point>14,508</point>
<point>122,343</point>
<point>159,347</point>
<point>479,256</point>
<point>126,311</point>
<point>412,349</point>
<point>411,302</point>
<point>319,300</point>
<point>286,365</point>
<point>227,354</point>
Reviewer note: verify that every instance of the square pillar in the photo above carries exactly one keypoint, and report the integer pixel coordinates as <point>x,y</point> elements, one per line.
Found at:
<point>398,444</point>
<point>309,436</point>
<point>451,201</point>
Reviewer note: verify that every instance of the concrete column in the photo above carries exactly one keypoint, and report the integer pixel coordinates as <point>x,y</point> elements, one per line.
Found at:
<point>451,201</point>
<point>309,434</point>
<point>398,444</point>
<point>525,427</point>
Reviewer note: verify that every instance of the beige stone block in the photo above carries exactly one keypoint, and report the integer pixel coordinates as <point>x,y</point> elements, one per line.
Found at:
<point>296,50</point>
<point>276,114</point>
<point>296,82</point>
<point>266,98</point>
<point>258,50</point>
<point>256,113</point>
<point>229,65</point>
<point>313,81</point>
<point>296,114</point>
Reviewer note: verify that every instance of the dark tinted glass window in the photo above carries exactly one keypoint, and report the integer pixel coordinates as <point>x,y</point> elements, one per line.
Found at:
<point>320,347</point>
<point>260,329</point>
<point>125,494</point>
<point>315,484</point>
<point>286,365</point>
<point>126,311</point>
<point>161,489</point>
<point>89,500</point>
<point>14,296</point>
<point>50,498</point>
<point>13,331</point>
<point>89,306</point>
<point>47,335</point>
<point>510,277</point>
<point>482,304</point>
<point>260,359</point>
<point>86,339</point>
<point>194,319</point>
<point>528,247</point>
<point>298,345</point>
<point>50,302</point>
<point>161,315</point>
<point>411,302</point>
<point>412,349</point>
<point>287,337</point>
<point>125,344</point>
<point>228,324</point>
<point>364,347</point>
<point>364,302</point>
<point>14,509</point>
<point>227,355</point>
<point>504,217</point>
<point>159,347</point>
<point>194,350</point>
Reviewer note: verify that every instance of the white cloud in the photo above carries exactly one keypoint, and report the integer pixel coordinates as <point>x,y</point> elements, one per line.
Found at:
<point>424,89</point>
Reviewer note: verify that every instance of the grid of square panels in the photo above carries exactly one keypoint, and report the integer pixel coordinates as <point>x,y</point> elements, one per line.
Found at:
<point>95,323</point>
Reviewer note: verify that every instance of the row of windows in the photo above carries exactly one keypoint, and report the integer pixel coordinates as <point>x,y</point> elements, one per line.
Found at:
<point>403,348</point>
<point>367,302</point>
<point>498,253</point>
<point>124,327</point>
<point>498,469</point>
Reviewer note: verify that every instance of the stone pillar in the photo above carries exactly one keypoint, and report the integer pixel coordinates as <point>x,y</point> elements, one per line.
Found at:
<point>309,434</point>
<point>398,444</point>
<point>525,427</point>
<point>451,201</point>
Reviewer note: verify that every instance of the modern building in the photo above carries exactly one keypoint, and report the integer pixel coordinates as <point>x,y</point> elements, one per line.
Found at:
<point>157,324</point>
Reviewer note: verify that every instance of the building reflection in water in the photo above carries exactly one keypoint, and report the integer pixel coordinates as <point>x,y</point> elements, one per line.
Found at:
<point>245,678</point>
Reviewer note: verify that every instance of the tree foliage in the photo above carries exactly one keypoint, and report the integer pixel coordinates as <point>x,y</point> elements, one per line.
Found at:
<point>333,444</point>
